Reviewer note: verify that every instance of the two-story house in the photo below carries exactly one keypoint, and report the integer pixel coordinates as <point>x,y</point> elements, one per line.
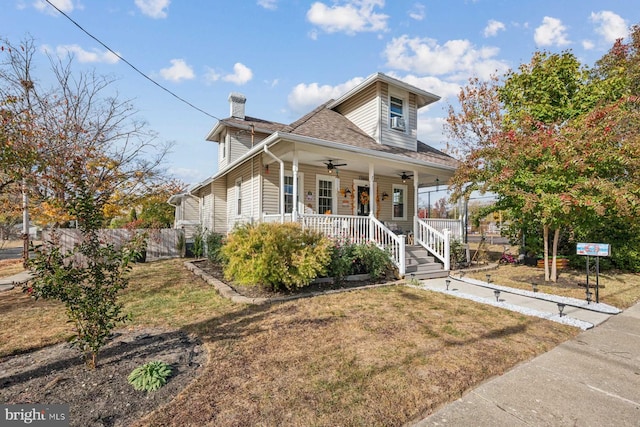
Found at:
<point>352,167</point>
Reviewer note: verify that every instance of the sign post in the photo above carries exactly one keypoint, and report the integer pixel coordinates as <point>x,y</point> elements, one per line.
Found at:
<point>596,250</point>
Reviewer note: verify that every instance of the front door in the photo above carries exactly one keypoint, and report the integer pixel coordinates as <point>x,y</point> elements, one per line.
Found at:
<point>363,200</point>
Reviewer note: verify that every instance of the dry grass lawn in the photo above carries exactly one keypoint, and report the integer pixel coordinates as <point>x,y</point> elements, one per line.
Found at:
<point>383,356</point>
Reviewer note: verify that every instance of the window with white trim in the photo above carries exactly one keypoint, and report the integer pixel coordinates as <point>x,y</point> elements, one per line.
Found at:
<point>397,119</point>
<point>288,193</point>
<point>325,195</point>
<point>399,202</point>
<point>239,197</point>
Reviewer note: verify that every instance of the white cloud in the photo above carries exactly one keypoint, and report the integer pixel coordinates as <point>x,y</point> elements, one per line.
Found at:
<point>493,27</point>
<point>431,84</point>
<point>305,97</point>
<point>67,6</point>
<point>456,58</point>
<point>588,44</point>
<point>609,25</point>
<point>153,8</point>
<point>353,17</point>
<point>85,56</point>
<point>178,71</point>
<point>551,32</point>
<point>418,12</point>
<point>212,75</point>
<point>268,4</point>
<point>431,130</point>
<point>241,74</point>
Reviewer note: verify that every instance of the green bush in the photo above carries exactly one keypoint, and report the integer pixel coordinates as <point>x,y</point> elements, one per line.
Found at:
<point>198,242</point>
<point>150,376</point>
<point>214,243</point>
<point>275,256</point>
<point>350,258</point>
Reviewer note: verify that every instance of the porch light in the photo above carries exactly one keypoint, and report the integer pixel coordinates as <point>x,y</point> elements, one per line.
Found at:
<point>385,196</point>
<point>560,308</point>
<point>497,294</point>
<point>346,191</point>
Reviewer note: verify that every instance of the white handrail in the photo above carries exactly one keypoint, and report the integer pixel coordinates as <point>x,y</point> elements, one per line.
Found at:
<point>394,244</point>
<point>434,241</point>
<point>359,230</point>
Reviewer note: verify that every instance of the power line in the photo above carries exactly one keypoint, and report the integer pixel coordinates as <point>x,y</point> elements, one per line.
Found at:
<point>130,64</point>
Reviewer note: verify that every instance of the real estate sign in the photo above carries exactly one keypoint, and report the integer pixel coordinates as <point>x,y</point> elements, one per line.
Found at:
<point>593,249</point>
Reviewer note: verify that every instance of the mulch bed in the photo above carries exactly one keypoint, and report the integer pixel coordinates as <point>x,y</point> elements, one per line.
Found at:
<point>102,397</point>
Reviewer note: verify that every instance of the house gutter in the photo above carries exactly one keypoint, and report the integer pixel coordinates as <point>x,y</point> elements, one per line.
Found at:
<point>281,190</point>
<point>277,136</point>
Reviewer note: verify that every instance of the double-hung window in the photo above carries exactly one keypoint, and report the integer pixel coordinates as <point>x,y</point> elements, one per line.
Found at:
<point>396,113</point>
<point>288,194</point>
<point>325,196</point>
<point>239,197</point>
<point>399,202</point>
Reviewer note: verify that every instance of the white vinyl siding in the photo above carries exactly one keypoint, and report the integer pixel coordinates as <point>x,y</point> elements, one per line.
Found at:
<point>362,110</point>
<point>408,138</point>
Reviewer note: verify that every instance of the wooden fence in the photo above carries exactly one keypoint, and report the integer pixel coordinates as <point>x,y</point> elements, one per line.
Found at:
<point>161,244</point>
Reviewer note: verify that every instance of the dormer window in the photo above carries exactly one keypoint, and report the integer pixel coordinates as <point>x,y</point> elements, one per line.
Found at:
<point>396,114</point>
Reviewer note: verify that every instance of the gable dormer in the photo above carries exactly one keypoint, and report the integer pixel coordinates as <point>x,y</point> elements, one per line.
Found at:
<point>386,109</point>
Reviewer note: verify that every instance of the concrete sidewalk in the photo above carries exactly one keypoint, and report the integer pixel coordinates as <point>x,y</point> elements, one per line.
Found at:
<point>592,380</point>
<point>8,283</point>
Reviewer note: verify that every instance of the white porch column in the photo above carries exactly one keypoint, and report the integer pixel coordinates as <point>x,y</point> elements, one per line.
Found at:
<point>372,194</point>
<point>294,213</point>
<point>416,196</point>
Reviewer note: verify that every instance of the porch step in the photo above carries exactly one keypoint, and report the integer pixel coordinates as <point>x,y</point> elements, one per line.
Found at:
<point>420,265</point>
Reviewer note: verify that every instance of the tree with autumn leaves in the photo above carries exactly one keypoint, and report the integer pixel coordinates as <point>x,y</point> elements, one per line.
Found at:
<point>77,127</point>
<point>557,142</point>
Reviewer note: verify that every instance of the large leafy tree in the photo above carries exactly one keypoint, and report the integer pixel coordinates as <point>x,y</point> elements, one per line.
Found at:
<point>563,152</point>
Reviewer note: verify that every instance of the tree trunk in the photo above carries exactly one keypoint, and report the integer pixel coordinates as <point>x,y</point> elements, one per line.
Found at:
<point>545,234</point>
<point>554,264</point>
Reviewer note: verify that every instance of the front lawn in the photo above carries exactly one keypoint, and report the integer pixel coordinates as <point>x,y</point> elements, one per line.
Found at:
<point>382,356</point>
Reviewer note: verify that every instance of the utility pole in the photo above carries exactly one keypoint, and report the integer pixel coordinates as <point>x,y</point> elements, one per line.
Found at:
<point>25,224</point>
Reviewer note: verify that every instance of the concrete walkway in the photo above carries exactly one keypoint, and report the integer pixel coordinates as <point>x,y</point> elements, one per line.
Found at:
<point>8,283</point>
<point>592,380</point>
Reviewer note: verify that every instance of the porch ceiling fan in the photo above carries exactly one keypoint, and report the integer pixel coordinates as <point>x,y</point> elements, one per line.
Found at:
<point>331,166</point>
<point>405,176</point>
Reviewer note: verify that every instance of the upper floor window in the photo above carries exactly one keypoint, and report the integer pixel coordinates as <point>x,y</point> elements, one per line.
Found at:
<point>396,113</point>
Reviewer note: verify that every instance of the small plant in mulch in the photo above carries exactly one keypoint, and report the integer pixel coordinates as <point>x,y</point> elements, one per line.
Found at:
<point>150,376</point>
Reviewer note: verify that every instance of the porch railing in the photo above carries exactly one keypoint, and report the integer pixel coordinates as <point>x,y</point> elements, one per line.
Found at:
<point>433,240</point>
<point>440,224</point>
<point>394,244</point>
<point>355,229</point>
<point>359,230</point>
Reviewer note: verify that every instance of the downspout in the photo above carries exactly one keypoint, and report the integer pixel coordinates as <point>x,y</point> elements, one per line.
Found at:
<point>281,190</point>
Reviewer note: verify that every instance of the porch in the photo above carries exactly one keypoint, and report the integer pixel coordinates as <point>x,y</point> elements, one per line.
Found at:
<point>428,243</point>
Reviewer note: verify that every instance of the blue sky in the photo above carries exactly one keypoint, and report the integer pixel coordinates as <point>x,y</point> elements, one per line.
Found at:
<point>287,57</point>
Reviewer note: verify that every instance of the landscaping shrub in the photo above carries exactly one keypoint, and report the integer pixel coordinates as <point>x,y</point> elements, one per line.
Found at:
<point>275,256</point>
<point>213,243</point>
<point>350,258</point>
<point>150,376</point>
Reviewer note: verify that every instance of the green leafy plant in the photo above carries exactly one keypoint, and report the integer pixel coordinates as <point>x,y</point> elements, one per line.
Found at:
<point>181,244</point>
<point>214,242</point>
<point>87,278</point>
<point>374,260</point>
<point>150,376</point>
<point>275,256</point>
<point>198,242</point>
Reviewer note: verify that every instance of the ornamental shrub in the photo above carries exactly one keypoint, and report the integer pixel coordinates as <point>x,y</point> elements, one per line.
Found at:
<point>373,260</point>
<point>275,256</point>
<point>349,258</point>
<point>213,243</point>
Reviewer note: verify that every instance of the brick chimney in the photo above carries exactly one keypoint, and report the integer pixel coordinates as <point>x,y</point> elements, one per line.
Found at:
<point>236,102</point>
